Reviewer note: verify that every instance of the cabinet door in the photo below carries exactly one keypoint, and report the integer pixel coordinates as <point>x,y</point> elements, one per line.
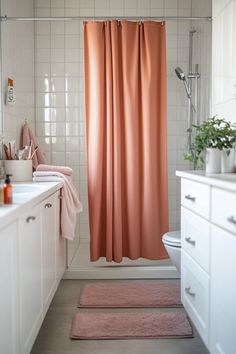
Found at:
<point>30,278</point>
<point>195,294</point>
<point>9,291</point>
<point>48,209</point>
<point>223,292</point>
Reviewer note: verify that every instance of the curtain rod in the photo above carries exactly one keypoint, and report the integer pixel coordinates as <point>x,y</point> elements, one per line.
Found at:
<point>102,18</point>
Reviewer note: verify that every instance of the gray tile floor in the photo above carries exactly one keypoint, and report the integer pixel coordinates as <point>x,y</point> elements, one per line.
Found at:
<point>54,337</point>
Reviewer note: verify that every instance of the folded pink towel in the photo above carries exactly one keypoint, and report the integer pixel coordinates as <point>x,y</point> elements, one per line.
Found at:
<point>70,204</point>
<point>27,135</point>
<point>62,169</point>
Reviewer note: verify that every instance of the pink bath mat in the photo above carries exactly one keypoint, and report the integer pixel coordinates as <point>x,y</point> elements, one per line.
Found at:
<point>130,325</point>
<point>140,294</point>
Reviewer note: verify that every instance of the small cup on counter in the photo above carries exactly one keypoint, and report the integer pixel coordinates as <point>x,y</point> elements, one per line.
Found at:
<point>21,170</point>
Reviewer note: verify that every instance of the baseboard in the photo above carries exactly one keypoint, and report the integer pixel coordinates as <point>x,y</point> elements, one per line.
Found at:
<point>123,272</point>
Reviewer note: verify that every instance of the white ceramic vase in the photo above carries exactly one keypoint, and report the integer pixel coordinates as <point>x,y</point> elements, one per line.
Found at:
<point>227,160</point>
<point>213,160</point>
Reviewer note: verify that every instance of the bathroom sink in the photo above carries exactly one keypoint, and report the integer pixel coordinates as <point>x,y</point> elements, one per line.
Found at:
<point>27,188</point>
<point>22,192</point>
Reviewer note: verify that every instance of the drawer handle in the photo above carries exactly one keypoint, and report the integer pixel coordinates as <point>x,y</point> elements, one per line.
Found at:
<point>30,219</point>
<point>189,240</point>
<point>232,219</point>
<point>189,197</point>
<point>48,206</point>
<point>187,290</point>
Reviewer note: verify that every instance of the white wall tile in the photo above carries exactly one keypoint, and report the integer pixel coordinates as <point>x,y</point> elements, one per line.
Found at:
<point>72,129</point>
<point>58,114</point>
<point>57,41</point>
<point>171,4</point>
<point>58,144</point>
<point>72,158</point>
<point>70,12</point>
<point>57,84</point>
<point>58,158</point>
<point>42,114</point>
<point>57,69</point>
<point>43,55</point>
<point>42,28</point>
<point>57,27</point>
<point>43,12</point>
<point>72,4</point>
<point>58,129</point>
<point>157,4</point>
<point>42,69</point>
<point>43,41</point>
<point>42,3</point>
<point>57,3</point>
<point>57,12</point>
<point>43,129</point>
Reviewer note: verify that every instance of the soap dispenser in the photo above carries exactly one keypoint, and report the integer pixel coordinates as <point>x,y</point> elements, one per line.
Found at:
<point>7,190</point>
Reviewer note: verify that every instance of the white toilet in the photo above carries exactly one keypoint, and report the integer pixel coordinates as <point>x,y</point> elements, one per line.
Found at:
<point>172,243</point>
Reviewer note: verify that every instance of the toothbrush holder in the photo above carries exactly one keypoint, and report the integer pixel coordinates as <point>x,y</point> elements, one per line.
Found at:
<point>21,170</point>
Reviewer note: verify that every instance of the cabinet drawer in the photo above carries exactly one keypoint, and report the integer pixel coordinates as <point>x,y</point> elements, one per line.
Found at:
<point>224,209</point>
<point>195,237</point>
<point>196,197</point>
<point>195,294</point>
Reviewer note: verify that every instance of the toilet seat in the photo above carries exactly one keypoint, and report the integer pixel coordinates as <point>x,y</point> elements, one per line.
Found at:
<point>172,238</point>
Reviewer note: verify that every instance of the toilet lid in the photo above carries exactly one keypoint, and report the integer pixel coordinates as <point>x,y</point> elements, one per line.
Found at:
<point>173,238</point>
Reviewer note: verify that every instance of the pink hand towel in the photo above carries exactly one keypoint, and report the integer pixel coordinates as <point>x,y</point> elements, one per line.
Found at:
<point>27,135</point>
<point>62,169</point>
<point>70,204</point>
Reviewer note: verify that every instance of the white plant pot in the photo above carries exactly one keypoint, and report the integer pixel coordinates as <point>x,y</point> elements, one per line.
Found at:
<point>227,160</point>
<point>213,160</point>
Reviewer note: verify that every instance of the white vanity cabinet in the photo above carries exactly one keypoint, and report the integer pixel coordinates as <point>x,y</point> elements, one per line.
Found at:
<point>30,277</point>
<point>9,329</point>
<point>32,262</point>
<point>208,267</point>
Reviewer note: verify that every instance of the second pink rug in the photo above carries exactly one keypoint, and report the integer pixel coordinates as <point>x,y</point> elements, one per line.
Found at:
<point>142,294</point>
<point>130,325</point>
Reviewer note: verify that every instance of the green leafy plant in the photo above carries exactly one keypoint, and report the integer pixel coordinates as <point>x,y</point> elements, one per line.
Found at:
<point>213,133</point>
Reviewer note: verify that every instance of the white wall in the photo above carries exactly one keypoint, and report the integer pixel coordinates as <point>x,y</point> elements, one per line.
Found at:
<point>60,117</point>
<point>223,59</point>
<point>18,64</point>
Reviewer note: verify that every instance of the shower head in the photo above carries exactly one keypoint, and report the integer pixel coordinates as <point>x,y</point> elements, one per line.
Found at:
<point>180,73</point>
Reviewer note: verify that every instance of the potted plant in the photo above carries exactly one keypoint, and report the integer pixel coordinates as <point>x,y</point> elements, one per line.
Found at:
<point>228,140</point>
<point>214,143</point>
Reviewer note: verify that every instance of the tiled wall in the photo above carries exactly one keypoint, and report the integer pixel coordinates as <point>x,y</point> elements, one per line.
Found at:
<point>223,59</point>
<point>60,118</point>
<point>18,64</point>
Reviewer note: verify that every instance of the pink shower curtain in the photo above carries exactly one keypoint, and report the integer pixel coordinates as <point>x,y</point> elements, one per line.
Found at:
<point>125,93</point>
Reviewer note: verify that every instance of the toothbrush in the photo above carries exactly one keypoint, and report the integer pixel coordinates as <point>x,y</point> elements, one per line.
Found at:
<point>36,148</point>
<point>30,149</point>
<point>6,151</point>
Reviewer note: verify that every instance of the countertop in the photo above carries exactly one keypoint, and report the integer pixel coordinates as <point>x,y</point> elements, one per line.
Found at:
<point>25,196</point>
<point>221,180</point>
